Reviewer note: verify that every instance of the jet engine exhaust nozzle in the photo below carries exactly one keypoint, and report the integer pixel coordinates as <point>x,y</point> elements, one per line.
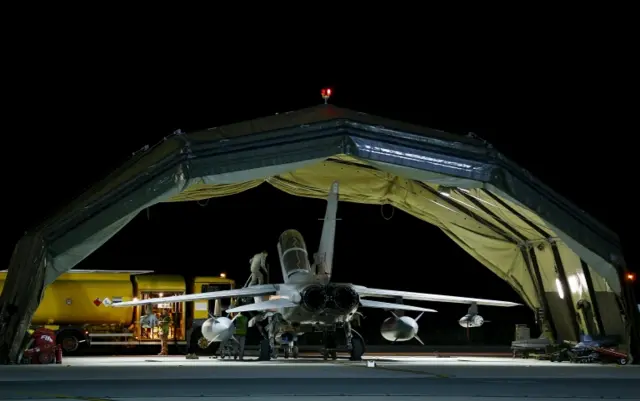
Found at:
<point>313,298</point>
<point>343,297</point>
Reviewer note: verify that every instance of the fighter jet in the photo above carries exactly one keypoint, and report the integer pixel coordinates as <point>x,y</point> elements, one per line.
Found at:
<point>308,300</point>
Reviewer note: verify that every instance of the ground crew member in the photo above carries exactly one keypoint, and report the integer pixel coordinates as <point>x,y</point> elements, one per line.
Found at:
<point>241,323</point>
<point>223,348</point>
<point>165,326</point>
<point>43,349</point>
<point>258,264</point>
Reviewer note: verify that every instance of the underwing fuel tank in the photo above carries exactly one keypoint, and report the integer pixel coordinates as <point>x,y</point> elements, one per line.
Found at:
<point>217,329</point>
<point>70,299</point>
<point>399,329</point>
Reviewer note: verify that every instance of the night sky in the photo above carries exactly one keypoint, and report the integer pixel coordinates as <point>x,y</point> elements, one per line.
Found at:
<point>76,129</point>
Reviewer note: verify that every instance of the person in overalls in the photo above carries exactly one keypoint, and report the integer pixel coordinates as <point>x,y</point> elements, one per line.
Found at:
<point>43,349</point>
<point>258,264</point>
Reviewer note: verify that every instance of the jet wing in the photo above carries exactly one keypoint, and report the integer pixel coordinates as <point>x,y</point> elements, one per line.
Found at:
<point>367,303</point>
<point>417,296</point>
<point>252,291</point>
<point>264,306</point>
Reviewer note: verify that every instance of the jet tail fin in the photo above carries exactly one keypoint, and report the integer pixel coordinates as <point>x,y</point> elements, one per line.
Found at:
<point>473,309</point>
<point>324,256</point>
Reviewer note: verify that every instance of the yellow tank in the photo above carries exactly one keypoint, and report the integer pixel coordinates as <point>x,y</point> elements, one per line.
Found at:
<point>69,300</point>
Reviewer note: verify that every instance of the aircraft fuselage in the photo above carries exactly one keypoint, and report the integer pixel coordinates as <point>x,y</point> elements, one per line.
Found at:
<point>320,306</point>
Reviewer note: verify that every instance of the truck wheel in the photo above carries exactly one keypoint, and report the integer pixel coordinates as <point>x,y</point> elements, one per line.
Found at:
<point>70,343</point>
<point>200,345</point>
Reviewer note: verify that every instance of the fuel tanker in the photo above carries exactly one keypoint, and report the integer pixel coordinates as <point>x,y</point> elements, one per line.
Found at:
<point>72,307</point>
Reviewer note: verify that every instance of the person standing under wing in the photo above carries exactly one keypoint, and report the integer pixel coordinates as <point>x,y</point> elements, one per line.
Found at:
<point>242,324</point>
<point>223,348</point>
<point>165,326</point>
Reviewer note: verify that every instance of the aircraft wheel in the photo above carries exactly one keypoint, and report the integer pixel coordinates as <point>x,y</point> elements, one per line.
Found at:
<point>265,351</point>
<point>295,352</point>
<point>357,348</point>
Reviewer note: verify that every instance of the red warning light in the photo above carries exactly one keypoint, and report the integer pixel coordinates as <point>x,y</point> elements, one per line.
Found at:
<point>97,302</point>
<point>631,277</point>
<point>326,94</point>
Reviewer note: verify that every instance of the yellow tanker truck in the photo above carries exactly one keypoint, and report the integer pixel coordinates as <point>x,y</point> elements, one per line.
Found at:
<point>72,306</point>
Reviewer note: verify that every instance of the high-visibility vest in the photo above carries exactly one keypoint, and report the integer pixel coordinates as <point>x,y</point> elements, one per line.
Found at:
<point>241,323</point>
<point>165,324</point>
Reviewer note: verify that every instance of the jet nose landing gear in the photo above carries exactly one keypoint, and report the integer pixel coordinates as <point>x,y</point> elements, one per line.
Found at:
<point>288,341</point>
<point>291,350</point>
<point>354,342</point>
<point>326,354</point>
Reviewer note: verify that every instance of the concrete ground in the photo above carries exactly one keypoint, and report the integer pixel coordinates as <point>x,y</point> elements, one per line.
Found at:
<point>401,377</point>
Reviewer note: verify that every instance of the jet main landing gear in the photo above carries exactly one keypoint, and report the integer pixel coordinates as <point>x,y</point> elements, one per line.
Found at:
<point>355,343</point>
<point>265,350</point>
<point>357,348</point>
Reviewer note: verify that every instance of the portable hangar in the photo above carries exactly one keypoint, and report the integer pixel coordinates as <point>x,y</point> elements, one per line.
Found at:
<point>566,266</point>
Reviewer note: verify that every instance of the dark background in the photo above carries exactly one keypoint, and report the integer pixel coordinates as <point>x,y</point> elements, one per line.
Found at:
<point>82,111</point>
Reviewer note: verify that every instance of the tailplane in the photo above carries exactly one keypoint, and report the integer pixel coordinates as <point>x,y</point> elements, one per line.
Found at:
<point>323,259</point>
